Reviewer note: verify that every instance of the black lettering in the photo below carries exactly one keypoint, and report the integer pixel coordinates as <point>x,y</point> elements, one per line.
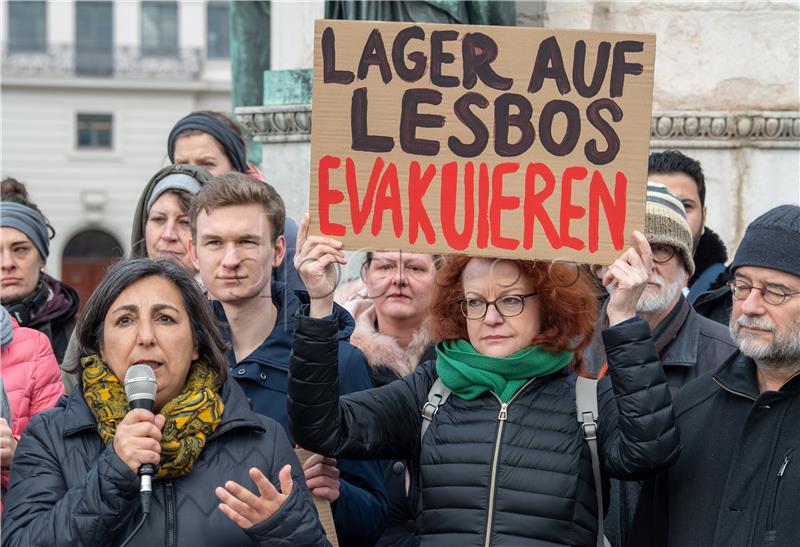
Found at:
<point>362,140</point>
<point>439,57</point>
<point>579,69</point>
<point>473,123</point>
<point>418,58</point>
<point>374,53</point>
<point>620,67</point>
<point>479,50</point>
<point>329,73</point>
<point>593,115</point>
<point>503,120</point>
<point>410,119</point>
<point>572,133</point>
<point>549,64</point>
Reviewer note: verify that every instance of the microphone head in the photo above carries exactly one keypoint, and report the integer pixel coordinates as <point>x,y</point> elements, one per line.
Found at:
<point>141,386</point>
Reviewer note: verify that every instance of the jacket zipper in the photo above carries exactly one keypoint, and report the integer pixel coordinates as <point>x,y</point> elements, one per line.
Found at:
<point>772,532</point>
<point>501,418</point>
<point>729,390</point>
<point>169,502</point>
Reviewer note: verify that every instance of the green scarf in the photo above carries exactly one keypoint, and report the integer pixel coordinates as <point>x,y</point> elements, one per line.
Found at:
<point>190,417</point>
<point>469,374</point>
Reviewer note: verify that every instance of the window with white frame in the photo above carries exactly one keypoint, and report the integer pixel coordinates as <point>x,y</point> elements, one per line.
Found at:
<point>160,29</point>
<point>27,26</point>
<point>95,131</point>
<point>217,31</point>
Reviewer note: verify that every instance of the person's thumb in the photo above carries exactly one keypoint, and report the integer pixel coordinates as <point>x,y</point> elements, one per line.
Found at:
<point>285,477</point>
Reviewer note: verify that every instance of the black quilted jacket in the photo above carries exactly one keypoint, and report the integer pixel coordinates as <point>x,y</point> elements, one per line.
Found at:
<point>519,478</point>
<point>68,489</point>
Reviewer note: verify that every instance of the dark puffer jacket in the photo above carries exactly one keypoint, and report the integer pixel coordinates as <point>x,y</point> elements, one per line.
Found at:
<point>491,474</point>
<point>69,489</point>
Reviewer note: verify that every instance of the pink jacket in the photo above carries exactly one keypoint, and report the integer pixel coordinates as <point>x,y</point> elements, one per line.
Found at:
<point>31,378</point>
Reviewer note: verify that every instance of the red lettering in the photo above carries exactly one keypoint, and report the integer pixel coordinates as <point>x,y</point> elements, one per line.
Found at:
<point>533,207</point>
<point>388,198</point>
<point>360,213</point>
<point>417,216</point>
<point>457,240</point>
<point>483,206</point>
<point>570,212</point>
<point>326,197</point>
<point>500,202</point>
<point>614,209</point>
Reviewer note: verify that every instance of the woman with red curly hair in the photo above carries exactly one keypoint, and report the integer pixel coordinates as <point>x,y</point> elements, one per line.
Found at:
<point>503,461</point>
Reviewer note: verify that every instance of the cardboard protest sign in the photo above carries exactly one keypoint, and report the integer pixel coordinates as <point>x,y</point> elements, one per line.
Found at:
<point>494,141</point>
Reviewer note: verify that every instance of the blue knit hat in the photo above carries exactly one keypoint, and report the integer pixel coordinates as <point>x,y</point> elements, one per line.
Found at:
<point>772,241</point>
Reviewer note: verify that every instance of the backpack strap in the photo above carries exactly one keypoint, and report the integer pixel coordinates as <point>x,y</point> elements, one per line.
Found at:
<point>588,413</point>
<point>436,398</point>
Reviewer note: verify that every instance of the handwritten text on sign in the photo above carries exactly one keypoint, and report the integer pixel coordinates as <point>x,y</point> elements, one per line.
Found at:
<point>494,141</point>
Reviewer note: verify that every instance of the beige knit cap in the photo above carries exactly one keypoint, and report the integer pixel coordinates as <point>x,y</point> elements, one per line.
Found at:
<point>665,222</point>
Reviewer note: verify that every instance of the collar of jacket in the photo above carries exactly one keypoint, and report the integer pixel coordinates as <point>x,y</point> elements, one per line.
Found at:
<point>738,376</point>
<point>237,413</point>
<point>276,348</point>
<point>710,250</point>
<point>682,349</point>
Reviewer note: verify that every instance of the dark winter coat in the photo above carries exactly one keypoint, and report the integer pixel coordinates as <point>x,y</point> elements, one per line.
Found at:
<point>717,303</point>
<point>710,257</point>
<point>389,362</point>
<point>699,346</point>
<point>737,481</point>
<point>362,510</point>
<point>493,474</point>
<point>69,489</point>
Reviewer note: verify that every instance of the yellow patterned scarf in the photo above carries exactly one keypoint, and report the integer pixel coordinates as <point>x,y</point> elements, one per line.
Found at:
<point>190,417</point>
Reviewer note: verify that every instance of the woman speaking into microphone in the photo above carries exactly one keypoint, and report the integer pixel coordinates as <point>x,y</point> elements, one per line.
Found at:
<point>224,475</point>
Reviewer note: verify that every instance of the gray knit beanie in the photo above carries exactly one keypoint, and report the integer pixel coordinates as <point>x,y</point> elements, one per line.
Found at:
<point>665,222</point>
<point>772,241</point>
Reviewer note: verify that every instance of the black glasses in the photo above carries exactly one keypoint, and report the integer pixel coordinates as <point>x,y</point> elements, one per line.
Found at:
<point>741,290</point>
<point>662,253</point>
<point>507,306</point>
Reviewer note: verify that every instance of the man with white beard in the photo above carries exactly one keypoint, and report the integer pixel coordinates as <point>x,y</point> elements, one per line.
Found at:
<point>737,481</point>
<point>689,345</point>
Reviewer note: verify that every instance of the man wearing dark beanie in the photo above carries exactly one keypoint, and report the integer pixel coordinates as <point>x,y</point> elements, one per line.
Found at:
<point>737,481</point>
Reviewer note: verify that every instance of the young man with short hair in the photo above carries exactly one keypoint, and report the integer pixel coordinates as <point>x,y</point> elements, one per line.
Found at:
<point>683,176</point>
<point>236,242</point>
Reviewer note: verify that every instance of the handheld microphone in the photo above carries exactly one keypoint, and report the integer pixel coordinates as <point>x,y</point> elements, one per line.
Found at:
<point>140,389</point>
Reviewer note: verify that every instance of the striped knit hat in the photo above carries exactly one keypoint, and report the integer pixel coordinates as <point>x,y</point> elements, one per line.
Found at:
<point>665,222</point>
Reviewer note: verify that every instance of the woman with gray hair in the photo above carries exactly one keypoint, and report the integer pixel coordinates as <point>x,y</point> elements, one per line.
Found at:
<point>34,298</point>
<point>225,475</point>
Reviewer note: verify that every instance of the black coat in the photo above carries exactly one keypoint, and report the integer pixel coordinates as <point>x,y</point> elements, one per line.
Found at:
<point>737,481</point>
<point>68,489</point>
<point>533,455</point>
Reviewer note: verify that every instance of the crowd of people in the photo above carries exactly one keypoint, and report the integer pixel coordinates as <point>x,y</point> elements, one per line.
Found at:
<point>443,399</point>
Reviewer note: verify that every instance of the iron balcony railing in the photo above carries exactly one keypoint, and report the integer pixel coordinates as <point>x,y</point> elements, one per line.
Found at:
<point>118,62</point>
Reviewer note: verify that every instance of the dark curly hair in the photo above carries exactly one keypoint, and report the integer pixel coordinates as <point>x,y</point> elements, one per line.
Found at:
<point>568,304</point>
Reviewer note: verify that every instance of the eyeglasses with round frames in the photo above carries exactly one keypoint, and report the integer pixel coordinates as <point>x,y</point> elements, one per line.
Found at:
<point>510,305</point>
<point>662,253</point>
<point>741,290</point>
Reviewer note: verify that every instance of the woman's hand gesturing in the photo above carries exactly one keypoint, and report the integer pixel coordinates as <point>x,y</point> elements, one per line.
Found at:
<point>245,508</point>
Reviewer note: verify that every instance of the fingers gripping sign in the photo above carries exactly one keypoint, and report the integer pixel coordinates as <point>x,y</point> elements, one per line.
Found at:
<point>627,278</point>
<point>316,259</point>
<point>322,477</point>
<point>248,509</point>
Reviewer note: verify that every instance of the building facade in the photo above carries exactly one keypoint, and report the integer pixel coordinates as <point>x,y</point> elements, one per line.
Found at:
<point>90,90</point>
